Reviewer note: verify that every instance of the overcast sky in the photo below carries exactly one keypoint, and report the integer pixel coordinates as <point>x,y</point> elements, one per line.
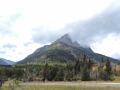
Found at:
<point>26,25</point>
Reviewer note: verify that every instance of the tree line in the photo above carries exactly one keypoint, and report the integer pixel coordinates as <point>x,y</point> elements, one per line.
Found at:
<point>83,69</point>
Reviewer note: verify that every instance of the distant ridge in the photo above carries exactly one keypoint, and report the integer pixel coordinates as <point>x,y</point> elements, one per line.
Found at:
<point>6,62</point>
<point>63,50</point>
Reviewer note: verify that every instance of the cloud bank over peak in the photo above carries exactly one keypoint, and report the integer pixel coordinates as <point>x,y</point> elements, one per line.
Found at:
<point>97,28</point>
<point>26,25</point>
<point>89,32</point>
<point>85,32</point>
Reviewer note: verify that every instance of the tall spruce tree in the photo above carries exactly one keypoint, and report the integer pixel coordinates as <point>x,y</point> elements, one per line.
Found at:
<point>85,72</point>
<point>108,70</point>
<point>77,67</point>
<point>101,70</point>
<point>45,72</point>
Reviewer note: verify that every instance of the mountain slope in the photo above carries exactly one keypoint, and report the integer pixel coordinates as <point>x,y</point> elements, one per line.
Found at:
<point>6,62</point>
<point>63,50</point>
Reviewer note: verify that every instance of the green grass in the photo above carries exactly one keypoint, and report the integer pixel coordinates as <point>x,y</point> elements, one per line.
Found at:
<point>59,87</point>
<point>116,79</point>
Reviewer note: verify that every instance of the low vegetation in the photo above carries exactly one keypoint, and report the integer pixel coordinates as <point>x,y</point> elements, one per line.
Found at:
<point>51,87</point>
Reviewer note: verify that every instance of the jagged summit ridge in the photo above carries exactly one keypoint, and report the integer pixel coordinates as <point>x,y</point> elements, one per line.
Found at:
<point>66,39</point>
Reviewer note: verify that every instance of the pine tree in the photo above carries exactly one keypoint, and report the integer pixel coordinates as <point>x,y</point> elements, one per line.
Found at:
<point>45,72</point>
<point>108,70</point>
<point>77,67</point>
<point>85,69</point>
<point>101,70</point>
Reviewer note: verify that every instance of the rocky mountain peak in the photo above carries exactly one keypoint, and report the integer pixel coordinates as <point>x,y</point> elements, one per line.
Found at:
<point>66,39</point>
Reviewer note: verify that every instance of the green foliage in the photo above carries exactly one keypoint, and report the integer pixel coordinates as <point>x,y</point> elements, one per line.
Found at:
<point>60,87</point>
<point>108,70</point>
<point>85,74</point>
<point>55,73</point>
<point>86,68</point>
<point>59,56</point>
<point>60,75</point>
<point>80,69</point>
<point>13,85</point>
<point>10,72</point>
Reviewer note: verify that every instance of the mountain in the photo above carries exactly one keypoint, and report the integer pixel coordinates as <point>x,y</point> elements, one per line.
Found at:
<point>65,39</point>
<point>63,50</point>
<point>6,62</point>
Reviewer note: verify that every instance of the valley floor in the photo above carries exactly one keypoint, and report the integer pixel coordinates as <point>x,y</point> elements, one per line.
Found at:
<point>92,85</point>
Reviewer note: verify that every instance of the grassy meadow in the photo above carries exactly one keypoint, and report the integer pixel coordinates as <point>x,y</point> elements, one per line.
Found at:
<point>13,85</point>
<point>58,87</point>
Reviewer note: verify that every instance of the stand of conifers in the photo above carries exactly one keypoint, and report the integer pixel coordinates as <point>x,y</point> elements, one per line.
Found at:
<point>84,69</point>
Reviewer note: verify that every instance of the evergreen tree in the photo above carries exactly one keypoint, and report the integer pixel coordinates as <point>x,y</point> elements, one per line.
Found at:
<point>101,70</point>
<point>45,72</point>
<point>86,67</point>
<point>77,67</point>
<point>108,70</point>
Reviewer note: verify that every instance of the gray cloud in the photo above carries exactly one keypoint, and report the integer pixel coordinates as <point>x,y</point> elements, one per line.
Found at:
<point>2,52</point>
<point>96,28</point>
<point>41,35</point>
<point>85,32</point>
<point>9,46</point>
<point>27,44</point>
